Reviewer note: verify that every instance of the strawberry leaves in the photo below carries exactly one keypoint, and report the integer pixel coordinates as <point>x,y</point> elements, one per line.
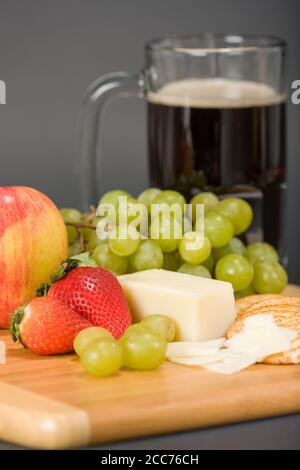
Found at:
<point>84,260</point>
<point>42,290</point>
<point>76,261</point>
<point>14,324</point>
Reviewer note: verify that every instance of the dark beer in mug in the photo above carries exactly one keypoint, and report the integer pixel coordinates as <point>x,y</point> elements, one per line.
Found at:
<point>225,136</point>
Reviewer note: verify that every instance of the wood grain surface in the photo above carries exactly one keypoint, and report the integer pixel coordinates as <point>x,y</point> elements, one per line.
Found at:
<point>49,402</point>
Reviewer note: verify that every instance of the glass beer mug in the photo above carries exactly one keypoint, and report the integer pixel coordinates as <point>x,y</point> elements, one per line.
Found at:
<point>216,122</point>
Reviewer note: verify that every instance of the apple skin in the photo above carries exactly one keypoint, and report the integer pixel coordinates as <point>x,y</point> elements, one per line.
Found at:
<point>33,242</point>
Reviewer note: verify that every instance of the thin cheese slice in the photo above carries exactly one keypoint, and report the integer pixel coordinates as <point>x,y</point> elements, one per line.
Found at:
<point>261,337</point>
<point>2,353</point>
<point>194,348</point>
<point>260,345</point>
<point>259,322</point>
<point>232,364</point>
<point>203,359</point>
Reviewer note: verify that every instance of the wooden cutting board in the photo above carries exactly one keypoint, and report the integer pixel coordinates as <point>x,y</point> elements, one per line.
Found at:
<point>49,402</point>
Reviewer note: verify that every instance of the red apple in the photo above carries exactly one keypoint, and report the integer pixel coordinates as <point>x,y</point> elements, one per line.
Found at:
<point>33,242</point>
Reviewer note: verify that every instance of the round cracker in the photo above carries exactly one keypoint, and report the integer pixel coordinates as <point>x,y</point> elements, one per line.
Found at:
<point>273,302</point>
<point>245,302</point>
<point>286,314</point>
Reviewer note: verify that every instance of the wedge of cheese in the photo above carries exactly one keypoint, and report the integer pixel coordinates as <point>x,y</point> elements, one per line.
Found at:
<point>202,308</point>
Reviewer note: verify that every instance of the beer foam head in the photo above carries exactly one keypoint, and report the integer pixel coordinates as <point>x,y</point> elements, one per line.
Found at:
<point>215,93</point>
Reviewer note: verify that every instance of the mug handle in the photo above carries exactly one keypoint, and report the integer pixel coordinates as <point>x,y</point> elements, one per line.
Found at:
<point>98,95</point>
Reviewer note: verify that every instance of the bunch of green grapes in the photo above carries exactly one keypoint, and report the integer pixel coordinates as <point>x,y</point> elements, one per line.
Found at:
<point>142,347</point>
<point>177,243</point>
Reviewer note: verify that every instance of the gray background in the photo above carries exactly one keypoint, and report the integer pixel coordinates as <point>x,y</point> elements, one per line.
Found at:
<point>51,50</point>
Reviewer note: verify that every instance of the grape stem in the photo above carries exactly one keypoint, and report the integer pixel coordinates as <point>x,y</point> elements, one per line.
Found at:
<point>78,226</point>
<point>91,213</point>
<point>81,240</point>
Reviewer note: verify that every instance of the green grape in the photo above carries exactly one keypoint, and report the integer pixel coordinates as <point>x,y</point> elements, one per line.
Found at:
<point>88,335</point>
<point>269,278</point>
<point>112,197</point>
<point>72,216</point>
<point>105,258</point>
<point>234,246</point>
<point>126,246</point>
<point>194,270</point>
<point>147,197</point>
<point>180,260</point>
<point>74,249</point>
<point>236,269</point>
<point>218,229</point>
<point>148,256</point>
<point>170,197</point>
<point>102,357</point>
<point>137,328</point>
<point>89,234</point>
<point>171,261</point>
<point>166,233</point>
<point>93,241</point>
<point>260,252</point>
<point>130,268</point>
<point>192,249</point>
<point>144,350</point>
<point>210,201</point>
<point>238,211</point>
<point>244,292</point>
<point>86,232</point>
<point>209,263</point>
<point>161,325</point>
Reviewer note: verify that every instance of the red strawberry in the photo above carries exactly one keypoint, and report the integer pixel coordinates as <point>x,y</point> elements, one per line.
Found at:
<point>47,326</point>
<point>95,294</point>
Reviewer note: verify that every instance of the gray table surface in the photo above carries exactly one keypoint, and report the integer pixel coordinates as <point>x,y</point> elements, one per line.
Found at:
<point>276,433</point>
